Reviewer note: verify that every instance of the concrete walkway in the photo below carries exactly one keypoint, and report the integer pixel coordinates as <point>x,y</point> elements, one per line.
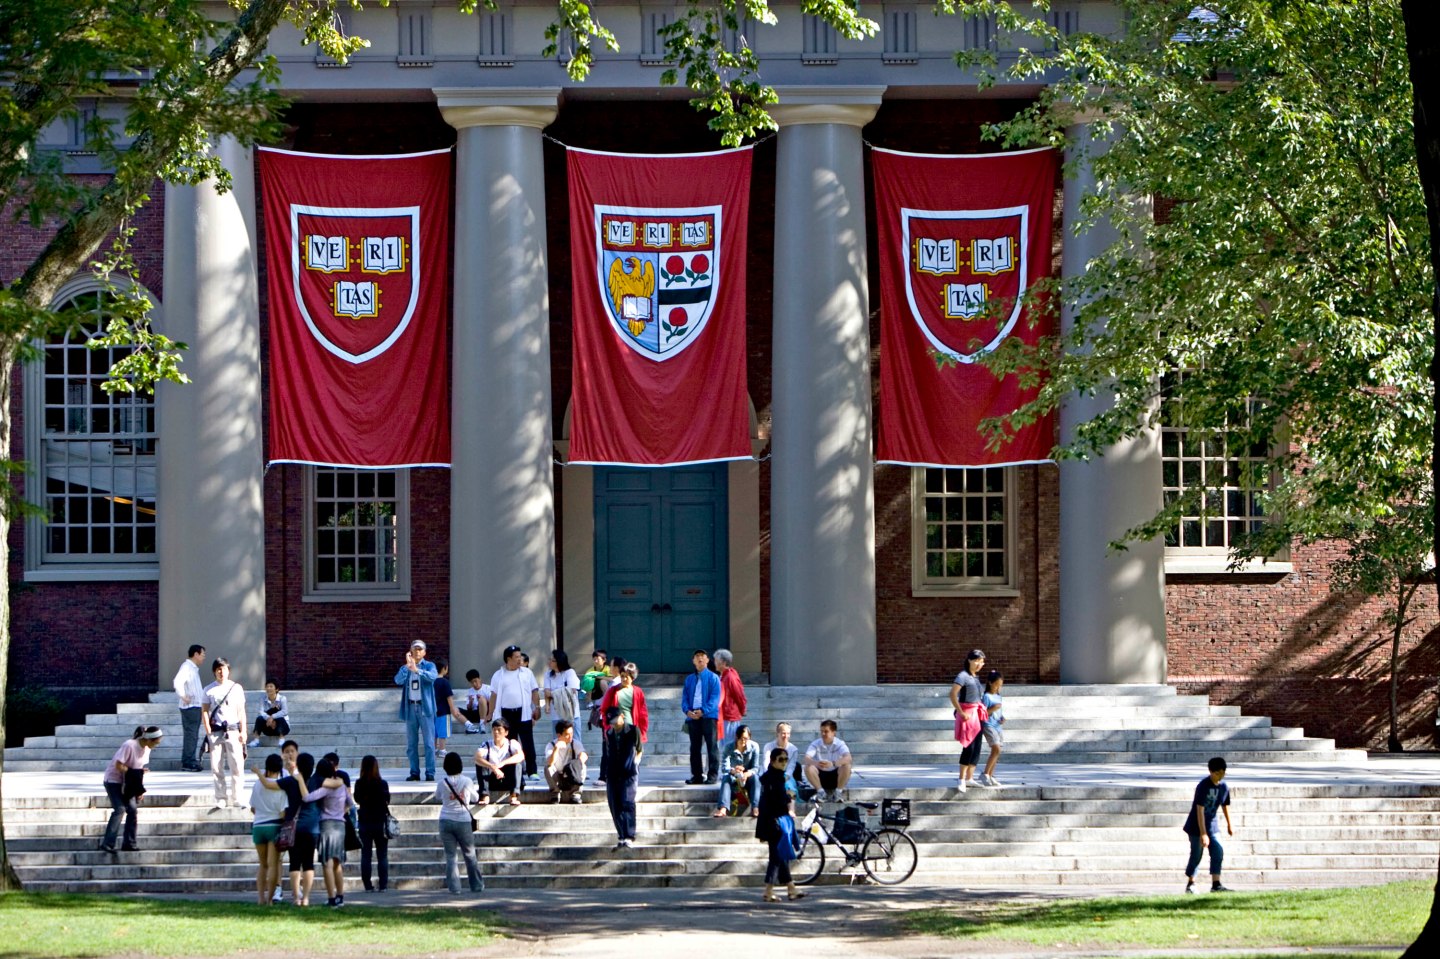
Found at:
<point>1407,769</point>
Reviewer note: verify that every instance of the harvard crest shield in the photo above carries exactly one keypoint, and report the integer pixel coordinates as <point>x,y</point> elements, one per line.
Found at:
<point>659,274</point>
<point>966,272</point>
<point>356,279</point>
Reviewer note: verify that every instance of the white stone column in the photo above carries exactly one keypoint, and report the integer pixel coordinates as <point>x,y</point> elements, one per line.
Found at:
<point>502,491</point>
<point>1112,605</point>
<point>210,522</point>
<point>822,497</point>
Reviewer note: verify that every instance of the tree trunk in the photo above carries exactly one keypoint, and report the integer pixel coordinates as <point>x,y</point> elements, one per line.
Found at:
<point>8,879</point>
<point>1403,595</point>
<point>1422,31</point>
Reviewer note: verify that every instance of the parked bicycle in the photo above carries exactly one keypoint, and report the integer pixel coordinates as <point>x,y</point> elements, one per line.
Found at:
<point>888,855</point>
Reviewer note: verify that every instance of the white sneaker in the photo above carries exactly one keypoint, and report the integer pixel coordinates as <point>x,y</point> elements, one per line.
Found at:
<point>992,782</point>
<point>279,897</point>
<point>964,784</point>
<point>470,729</point>
<point>219,804</point>
<point>980,781</point>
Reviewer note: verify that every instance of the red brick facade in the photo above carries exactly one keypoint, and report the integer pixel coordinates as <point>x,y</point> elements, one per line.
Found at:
<point>1279,645</point>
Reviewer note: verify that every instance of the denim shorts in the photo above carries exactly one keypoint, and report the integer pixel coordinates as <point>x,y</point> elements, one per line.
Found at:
<point>994,735</point>
<point>264,833</point>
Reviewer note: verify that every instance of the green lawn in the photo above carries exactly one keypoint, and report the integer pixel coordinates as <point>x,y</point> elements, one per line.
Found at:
<point>36,925</point>
<point>1369,916</point>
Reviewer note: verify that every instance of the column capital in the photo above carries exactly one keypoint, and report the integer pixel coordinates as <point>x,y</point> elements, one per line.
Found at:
<point>850,106</point>
<point>498,106</point>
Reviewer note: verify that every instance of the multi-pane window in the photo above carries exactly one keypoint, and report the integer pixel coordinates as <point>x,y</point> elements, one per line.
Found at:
<point>962,529</point>
<point>95,457</point>
<point>357,545</point>
<point>1220,476</point>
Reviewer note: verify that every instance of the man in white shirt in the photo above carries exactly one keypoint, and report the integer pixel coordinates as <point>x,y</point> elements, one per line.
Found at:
<point>224,722</point>
<point>191,693</point>
<point>827,762</point>
<point>515,696</point>
<point>782,741</point>
<point>565,761</point>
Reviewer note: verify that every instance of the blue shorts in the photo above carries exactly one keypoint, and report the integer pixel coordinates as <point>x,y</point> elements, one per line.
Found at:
<point>442,727</point>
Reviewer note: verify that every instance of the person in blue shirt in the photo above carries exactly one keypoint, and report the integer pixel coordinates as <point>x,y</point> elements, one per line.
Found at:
<point>700,702</point>
<point>1212,796</point>
<point>416,680</point>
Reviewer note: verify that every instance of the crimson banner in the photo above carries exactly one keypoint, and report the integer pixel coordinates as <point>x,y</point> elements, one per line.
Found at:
<point>357,254</point>
<point>961,239</point>
<point>657,247</point>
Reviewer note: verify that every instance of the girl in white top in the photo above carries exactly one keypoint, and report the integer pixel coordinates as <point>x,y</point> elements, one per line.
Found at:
<point>269,806</point>
<point>133,755</point>
<point>561,690</point>
<point>456,792</point>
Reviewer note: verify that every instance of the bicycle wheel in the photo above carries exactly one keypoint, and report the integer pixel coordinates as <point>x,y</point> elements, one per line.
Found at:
<point>806,867</point>
<point>889,857</point>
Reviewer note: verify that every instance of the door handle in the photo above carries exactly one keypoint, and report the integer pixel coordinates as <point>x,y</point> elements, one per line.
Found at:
<point>665,608</point>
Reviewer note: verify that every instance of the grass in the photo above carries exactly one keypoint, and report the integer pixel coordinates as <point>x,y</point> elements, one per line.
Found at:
<point>1372,916</point>
<point>43,925</point>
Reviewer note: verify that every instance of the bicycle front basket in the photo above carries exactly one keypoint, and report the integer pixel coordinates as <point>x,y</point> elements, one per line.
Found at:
<point>895,812</point>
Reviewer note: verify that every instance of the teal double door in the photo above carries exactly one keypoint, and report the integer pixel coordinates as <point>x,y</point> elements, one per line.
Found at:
<point>661,564</point>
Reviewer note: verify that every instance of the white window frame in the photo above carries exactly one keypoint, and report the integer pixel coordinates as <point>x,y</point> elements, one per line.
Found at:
<point>396,592</point>
<point>91,567</point>
<point>1206,559</point>
<point>922,584</point>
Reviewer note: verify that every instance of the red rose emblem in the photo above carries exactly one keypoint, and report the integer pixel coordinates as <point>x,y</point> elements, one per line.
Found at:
<point>700,264</point>
<point>675,265</point>
<point>678,318</point>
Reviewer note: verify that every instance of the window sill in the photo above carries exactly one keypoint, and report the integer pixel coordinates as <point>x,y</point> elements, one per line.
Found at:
<point>93,574</point>
<point>358,596</point>
<point>1220,566</point>
<point>964,592</point>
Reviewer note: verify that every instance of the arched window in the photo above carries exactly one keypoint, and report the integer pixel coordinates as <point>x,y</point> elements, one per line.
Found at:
<point>91,454</point>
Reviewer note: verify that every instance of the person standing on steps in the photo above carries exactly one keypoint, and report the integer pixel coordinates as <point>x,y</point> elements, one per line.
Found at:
<point>623,746</point>
<point>993,728</point>
<point>416,680</point>
<point>191,693</point>
<point>776,801</point>
<point>515,696</point>
<point>700,701</point>
<point>732,695</point>
<point>1211,796</point>
<point>456,792</point>
<point>965,695</point>
<point>224,721</point>
<point>372,795</point>
<point>124,776</point>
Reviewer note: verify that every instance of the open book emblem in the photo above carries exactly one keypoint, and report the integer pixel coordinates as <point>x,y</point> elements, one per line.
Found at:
<point>966,272</point>
<point>356,276</point>
<point>659,274</point>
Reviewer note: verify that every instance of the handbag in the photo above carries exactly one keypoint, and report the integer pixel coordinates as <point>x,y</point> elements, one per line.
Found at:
<point>352,834</point>
<point>474,823</point>
<point>392,826</point>
<point>785,845</point>
<point>286,838</point>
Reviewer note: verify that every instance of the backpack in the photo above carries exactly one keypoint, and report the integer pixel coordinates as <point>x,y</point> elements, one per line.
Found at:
<point>848,826</point>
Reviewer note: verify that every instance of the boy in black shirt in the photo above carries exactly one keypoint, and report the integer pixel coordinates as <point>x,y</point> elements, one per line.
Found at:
<point>1211,797</point>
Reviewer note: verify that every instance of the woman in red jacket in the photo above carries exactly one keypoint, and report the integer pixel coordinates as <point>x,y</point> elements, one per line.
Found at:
<point>630,700</point>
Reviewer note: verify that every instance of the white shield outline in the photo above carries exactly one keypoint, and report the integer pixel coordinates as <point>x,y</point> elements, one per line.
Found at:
<point>603,211</point>
<point>906,213</point>
<point>356,213</point>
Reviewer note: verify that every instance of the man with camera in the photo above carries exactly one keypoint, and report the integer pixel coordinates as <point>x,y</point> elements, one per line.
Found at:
<point>224,720</point>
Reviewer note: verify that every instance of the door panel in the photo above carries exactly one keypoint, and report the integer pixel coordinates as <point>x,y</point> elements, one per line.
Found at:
<point>661,563</point>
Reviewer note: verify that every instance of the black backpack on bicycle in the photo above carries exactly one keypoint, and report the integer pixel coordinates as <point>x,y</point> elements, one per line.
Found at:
<point>848,826</point>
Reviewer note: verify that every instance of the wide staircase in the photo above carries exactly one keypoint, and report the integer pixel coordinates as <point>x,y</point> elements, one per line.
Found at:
<point>1343,828</point>
<point>1013,837</point>
<point>891,725</point>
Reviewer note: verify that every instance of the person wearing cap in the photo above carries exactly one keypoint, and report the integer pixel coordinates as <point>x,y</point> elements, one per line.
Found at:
<point>965,696</point>
<point>515,696</point>
<point>416,680</point>
<point>124,777</point>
